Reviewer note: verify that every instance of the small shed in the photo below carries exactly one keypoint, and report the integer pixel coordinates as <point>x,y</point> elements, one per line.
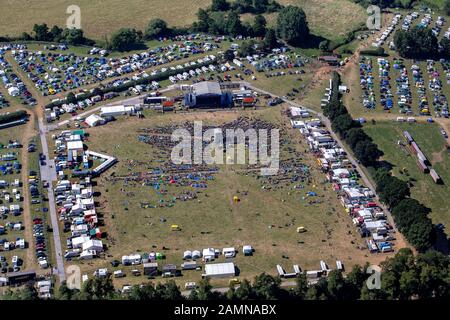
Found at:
<point>169,270</point>
<point>151,269</point>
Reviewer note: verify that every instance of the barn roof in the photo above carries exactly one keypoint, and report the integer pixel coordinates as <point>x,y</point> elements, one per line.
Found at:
<point>207,87</point>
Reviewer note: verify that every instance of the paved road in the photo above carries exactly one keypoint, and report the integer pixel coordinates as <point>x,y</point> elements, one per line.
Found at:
<point>48,174</point>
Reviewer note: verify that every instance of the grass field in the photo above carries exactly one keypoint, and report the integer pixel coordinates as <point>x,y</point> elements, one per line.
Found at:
<point>101,18</point>
<point>428,137</point>
<point>214,220</point>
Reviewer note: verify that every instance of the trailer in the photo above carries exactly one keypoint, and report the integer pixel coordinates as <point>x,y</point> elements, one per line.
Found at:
<point>280,270</point>
<point>422,166</point>
<point>436,178</point>
<point>408,137</point>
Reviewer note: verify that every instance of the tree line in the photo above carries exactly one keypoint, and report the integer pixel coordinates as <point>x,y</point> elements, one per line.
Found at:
<point>404,276</point>
<point>221,18</point>
<point>421,43</point>
<point>405,4</point>
<point>13,116</point>
<point>410,215</point>
<point>41,32</point>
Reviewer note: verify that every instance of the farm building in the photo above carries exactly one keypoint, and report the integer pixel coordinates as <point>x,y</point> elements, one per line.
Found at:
<point>208,95</point>
<point>94,120</point>
<point>154,100</point>
<point>95,245</point>
<point>75,149</point>
<point>331,60</point>
<point>19,278</point>
<point>151,269</point>
<point>219,270</point>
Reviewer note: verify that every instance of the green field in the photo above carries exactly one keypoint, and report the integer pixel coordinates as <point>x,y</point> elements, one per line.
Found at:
<point>428,137</point>
<point>213,220</point>
<point>101,18</point>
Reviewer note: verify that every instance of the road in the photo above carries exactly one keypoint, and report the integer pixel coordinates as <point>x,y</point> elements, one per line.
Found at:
<point>48,174</point>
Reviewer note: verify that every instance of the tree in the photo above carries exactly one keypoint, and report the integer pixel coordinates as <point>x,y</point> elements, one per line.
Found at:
<point>416,43</point>
<point>447,7</point>
<point>267,287</point>
<point>301,287</point>
<point>26,36</point>
<point>230,295</point>
<point>367,152</point>
<point>247,48</point>
<point>144,292</point>
<point>172,292</point>
<point>356,279</point>
<point>343,123</point>
<point>218,23</point>
<point>318,291</point>
<point>408,284</point>
<point>421,234</point>
<point>228,55</point>
<point>65,293</point>
<point>336,285</point>
<point>411,218</point>
<point>434,281</point>
<point>220,5</point>
<point>29,293</point>
<point>324,46</point>
<point>71,98</point>
<point>56,33</point>
<point>73,36</point>
<point>41,32</point>
<point>270,40</point>
<point>292,25</point>
<point>204,21</point>
<point>125,39</point>
<point>445,44</point>
<point>243,6</point>
<point>98,289</point>
<point>204,290</point>
<point>354,135</point>
<point>156,28</point>
<point>245,291</point>
<point>259,26</point>
<point>394,191</point>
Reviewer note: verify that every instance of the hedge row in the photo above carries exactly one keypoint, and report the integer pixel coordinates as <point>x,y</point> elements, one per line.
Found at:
<point>13,116</point>
<point>409,215</point>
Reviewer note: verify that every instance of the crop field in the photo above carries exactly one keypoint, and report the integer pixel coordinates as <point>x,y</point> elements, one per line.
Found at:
<point>138,214</point>
<point>430,140</point>
<point>101,18</point>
